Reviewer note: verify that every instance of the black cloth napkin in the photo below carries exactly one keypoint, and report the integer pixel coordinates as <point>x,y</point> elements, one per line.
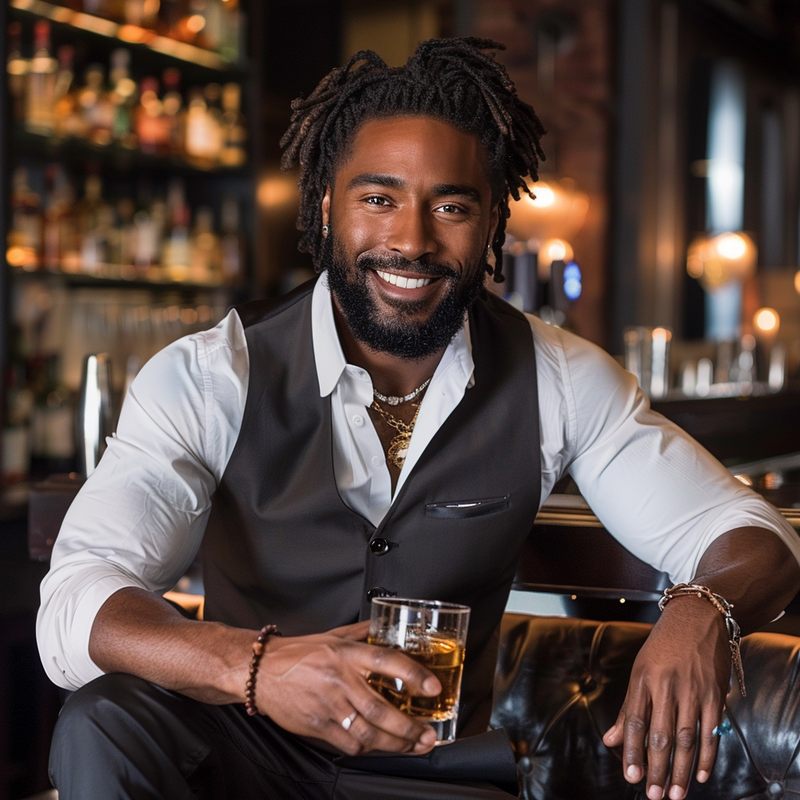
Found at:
<point>485,757</point>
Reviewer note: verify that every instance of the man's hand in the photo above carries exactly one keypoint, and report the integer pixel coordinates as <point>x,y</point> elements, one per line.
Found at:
<point>675,699</point>
<point>310,684</point>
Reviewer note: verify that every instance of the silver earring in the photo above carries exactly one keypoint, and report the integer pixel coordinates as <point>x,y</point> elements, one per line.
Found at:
<point>326,230</point>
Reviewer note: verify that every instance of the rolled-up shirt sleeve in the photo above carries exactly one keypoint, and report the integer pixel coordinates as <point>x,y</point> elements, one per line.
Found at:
<point>139,519</point>
<point>661,494</point>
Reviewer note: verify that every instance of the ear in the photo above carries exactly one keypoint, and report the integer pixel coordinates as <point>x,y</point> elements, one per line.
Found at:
<point>494,219</point>
<point>326,206</point>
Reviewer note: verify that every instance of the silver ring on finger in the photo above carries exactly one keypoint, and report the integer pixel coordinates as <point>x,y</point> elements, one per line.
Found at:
<point>348,721</point>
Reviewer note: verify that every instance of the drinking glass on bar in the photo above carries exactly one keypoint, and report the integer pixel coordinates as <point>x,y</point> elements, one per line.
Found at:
<point>433,633</point>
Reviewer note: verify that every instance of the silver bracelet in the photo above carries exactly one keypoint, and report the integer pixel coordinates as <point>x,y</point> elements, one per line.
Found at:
<point>724,608</point>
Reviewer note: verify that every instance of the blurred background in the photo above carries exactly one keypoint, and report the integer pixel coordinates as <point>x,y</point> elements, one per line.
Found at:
<point>141,195</point>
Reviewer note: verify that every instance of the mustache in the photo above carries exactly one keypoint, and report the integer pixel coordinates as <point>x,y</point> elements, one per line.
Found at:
<point>390,263</point>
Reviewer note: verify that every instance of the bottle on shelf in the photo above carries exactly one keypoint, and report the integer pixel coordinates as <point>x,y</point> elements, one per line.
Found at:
<point>17,68</point>
<point>122,98</point>
<point>205,255</point>
<point>68,118</point>
<point>172,111</point>
<point>231,242</point>
<point>52,418</point>
<point>198,137</point>
<point>149,118</point>
<point>15,452</point>
<point>176,251</point>
<point>24,243</point>
<point>60,250</point>
<point>40,90</point>
<point>92,225</point>
<point>234,130</point>
<point>96,106</point>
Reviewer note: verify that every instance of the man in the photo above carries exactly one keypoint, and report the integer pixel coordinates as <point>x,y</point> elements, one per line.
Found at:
<point>389,430</point>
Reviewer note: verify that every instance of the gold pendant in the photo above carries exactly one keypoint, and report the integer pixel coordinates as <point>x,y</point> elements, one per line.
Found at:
<point>398,449</point>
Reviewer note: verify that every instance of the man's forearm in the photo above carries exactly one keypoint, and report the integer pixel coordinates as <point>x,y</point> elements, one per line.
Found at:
<point>752,569</point>
<point>139,633</point>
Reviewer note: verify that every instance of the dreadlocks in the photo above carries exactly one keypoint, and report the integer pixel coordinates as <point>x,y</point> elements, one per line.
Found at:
<point>451,79</point>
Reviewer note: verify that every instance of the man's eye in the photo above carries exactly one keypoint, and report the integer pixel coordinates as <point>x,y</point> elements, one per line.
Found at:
<point>376,200</point>
<point>449,209</point>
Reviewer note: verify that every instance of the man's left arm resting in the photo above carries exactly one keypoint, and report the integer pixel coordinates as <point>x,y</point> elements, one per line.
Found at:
<point>682,674</point>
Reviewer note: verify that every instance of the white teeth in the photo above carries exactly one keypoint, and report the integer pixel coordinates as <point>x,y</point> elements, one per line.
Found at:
<point>403,283</point>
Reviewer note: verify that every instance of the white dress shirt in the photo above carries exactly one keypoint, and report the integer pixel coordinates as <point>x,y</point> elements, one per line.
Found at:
<point>140,517</point>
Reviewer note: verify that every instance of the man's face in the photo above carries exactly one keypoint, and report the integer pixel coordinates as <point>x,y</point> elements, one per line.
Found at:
<point>411,218</point>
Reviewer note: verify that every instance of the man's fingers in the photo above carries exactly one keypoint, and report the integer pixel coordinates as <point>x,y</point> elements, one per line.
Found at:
<point>660,733</point>
<point>685,745</point>
<point>614,736</point>
<point>396,665</point>
<point>709,741</point>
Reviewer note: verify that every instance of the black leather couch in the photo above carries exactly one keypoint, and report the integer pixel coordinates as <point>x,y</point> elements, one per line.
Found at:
<point>560,683</point>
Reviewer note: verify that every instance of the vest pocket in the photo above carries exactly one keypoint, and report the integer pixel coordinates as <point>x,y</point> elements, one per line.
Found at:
<point>462,509</point>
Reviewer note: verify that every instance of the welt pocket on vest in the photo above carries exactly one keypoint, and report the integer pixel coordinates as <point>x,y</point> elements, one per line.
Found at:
<point>463,509</point>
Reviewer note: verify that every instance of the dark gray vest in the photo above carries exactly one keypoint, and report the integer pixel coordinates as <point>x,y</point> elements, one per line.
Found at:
<point>281,546</point>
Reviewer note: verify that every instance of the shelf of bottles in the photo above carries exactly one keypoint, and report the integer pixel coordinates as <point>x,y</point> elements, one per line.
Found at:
<point>128,192</point>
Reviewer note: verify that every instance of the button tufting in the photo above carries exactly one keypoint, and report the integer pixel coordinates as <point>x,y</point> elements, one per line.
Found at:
<point>775,789</point>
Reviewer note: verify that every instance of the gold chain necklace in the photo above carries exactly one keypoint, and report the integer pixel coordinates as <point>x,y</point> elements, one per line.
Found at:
<point>398,447</point>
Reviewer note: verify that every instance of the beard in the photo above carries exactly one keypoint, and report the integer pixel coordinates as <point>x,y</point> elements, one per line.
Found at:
<point>400,334</point>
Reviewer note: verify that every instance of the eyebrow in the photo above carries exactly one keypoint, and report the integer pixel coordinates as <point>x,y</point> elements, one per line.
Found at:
<point>393,182</point>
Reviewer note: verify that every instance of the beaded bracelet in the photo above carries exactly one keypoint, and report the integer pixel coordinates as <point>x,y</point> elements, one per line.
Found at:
<point>258,651</point>
<point>724,608</point>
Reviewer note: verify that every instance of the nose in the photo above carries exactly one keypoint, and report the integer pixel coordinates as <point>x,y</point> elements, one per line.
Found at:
<point>411,234</point>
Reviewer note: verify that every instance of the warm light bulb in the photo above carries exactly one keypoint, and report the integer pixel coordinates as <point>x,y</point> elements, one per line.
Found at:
<point>731,245</point>
<point>545,196</point>
<point>797,282</point>
<point>196,23</point>
<point>766,320</point>
<point>556,250</point>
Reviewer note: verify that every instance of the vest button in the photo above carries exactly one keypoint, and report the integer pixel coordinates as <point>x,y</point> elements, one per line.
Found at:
<point>379,547</point>
<point>379,591</point>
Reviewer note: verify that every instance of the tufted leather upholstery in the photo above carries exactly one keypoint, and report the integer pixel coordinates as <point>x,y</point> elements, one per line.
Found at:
<point>560,683</point>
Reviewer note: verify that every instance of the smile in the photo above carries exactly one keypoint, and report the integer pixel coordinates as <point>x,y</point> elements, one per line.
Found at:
<point>402,282</point>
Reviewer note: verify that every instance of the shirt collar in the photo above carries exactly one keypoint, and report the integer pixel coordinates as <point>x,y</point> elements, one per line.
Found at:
<point>329,356</point>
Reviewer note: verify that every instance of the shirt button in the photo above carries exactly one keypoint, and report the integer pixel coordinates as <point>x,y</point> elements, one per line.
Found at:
<point>358,420</point>
<point>379,547</point>
<point>377,460</point>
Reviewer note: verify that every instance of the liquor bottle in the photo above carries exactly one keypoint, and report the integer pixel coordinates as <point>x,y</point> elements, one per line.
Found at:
<point>60,251</point>
<point>125,256</point>
<point>24,244</point>
<point>202,132</point>
<point>176,254</point>
<point>234,130</point>
<point>122,98</point>
<point>205,249</point>
<point>213,96</point>
<point>231,39</point>
<point>172,109</point>
<point>68,120</point>
<point>96,107</point>
<point>149,223</point>
<point>39,96</point>
<point>149,118</point>
<point>232,242</point>
<point>17,69</point>
<point>16,454</point>
<point>52,419</point>
<point>91,224</point>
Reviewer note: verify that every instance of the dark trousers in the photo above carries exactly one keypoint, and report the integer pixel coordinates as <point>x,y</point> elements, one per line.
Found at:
<point>121,738</point>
